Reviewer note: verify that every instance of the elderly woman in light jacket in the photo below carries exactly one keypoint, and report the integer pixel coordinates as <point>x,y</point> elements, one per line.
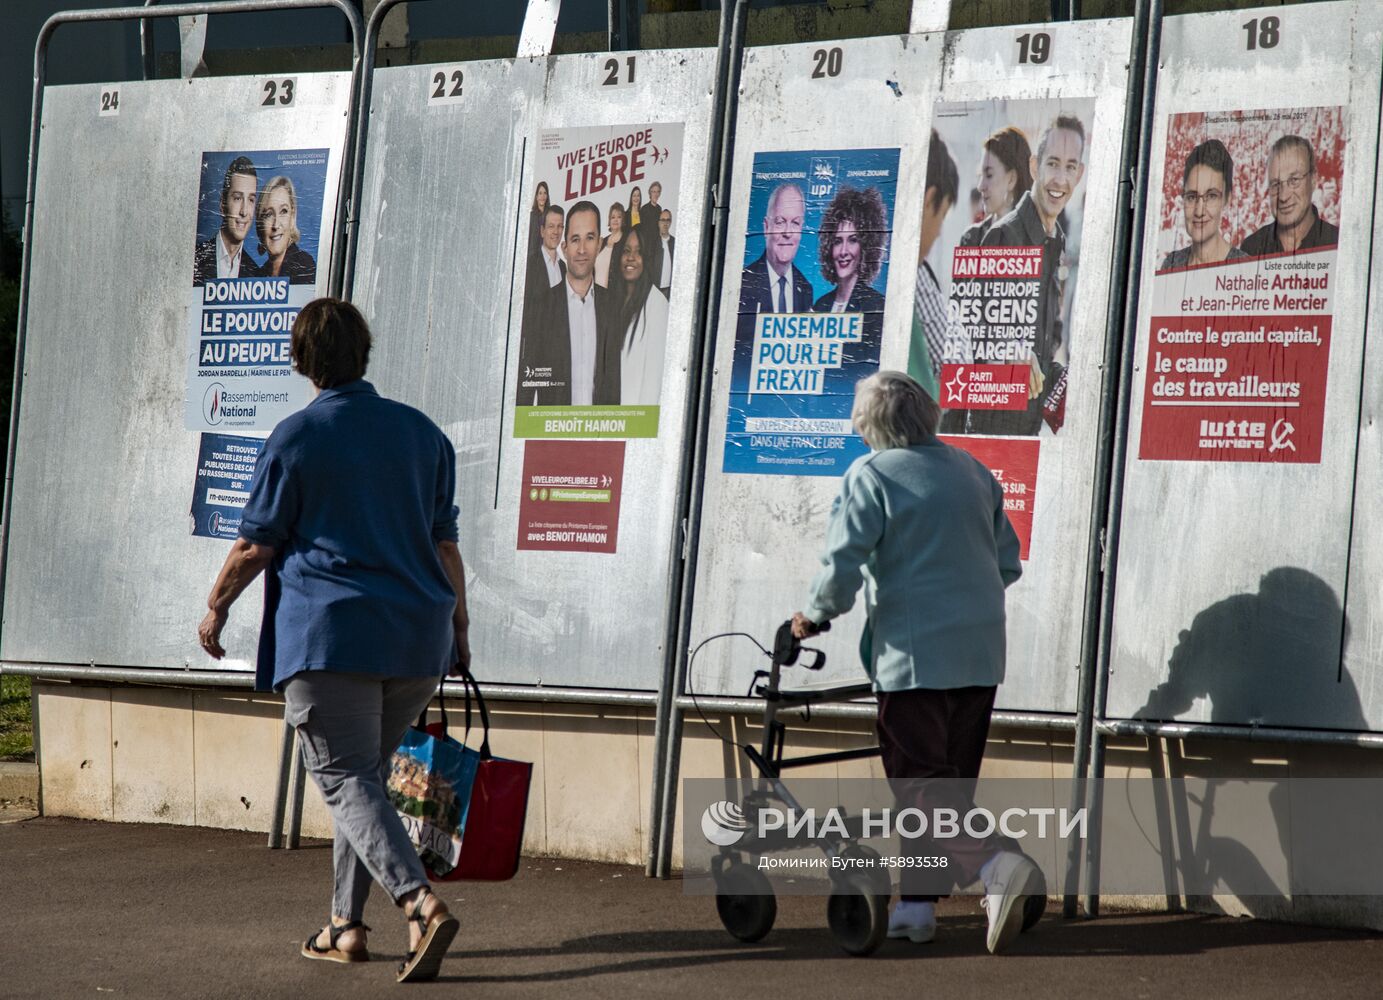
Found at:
<point>926,523</point>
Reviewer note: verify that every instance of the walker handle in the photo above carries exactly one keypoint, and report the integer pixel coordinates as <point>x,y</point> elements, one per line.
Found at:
<point>787,647</point>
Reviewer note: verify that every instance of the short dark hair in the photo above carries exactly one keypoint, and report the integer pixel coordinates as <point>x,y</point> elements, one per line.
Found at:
<point>865,211</point>
<point>942,176</point>
<point>1212,154</point>
<point>582,206</point>
<point>1068,122</point>
<point>553,210</point>
<point>330,343</point>
<point>239,165</point>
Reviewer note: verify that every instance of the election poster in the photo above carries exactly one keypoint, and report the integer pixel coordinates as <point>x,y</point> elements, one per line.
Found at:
<point>600,257</point>
<point>225,466</point>
<point>1002,215</point>
<point>1003,208</point>
<point>1243,289</point>
<point>811,308</point>
<point>259,237</point>
<point>571,494</point>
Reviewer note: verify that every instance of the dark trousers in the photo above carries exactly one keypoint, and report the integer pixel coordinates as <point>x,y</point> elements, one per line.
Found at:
<point>932,742</point>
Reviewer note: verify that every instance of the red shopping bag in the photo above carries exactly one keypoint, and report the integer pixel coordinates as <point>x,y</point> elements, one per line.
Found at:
<point>498,807</point>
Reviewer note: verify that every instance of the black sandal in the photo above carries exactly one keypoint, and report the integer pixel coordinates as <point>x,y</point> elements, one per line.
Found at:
<point>425,962</point>
<point>331,953</point>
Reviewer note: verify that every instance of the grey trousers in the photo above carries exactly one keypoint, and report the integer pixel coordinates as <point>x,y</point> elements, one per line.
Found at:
<point>349,726</point>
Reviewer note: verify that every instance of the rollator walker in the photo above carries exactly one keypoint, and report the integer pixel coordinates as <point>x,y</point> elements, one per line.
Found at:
<point>857,908</point>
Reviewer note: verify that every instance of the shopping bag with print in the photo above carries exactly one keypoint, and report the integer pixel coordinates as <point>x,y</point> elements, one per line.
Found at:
<point>431,781</point>
<point>498,806</point>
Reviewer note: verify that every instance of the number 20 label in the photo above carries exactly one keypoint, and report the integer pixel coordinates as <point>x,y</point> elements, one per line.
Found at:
<point>446,85</point>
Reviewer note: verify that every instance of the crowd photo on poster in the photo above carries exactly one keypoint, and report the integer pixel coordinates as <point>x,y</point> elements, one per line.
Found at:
<point>1243,292</point>
<point>1243,184</point>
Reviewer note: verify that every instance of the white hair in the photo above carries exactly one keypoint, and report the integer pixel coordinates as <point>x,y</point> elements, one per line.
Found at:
<point>892,411</point>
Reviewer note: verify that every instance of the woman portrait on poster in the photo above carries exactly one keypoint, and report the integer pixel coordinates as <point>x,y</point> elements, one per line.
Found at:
<point>607,252</point>
<point>1005,173</point>
<point>1207,183</point>
<point>851,252</point>
<point>643,316</point>
<point>535,218</point>
<point>276,222</point>
<point>631,217</point>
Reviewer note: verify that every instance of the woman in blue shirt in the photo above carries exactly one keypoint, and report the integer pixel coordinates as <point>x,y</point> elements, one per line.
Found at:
<point>926,523</point>
<point>351,512</point>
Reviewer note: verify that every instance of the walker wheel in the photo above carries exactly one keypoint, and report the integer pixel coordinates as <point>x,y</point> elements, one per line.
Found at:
<point>858,916</point>
<point>1036,904</point>
<point>745,901</point>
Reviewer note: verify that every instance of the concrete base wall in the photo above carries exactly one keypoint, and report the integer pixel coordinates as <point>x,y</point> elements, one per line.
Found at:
<point>210,758</point>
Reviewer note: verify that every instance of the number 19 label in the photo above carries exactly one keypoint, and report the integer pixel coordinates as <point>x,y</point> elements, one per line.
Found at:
<point>1034,47</point>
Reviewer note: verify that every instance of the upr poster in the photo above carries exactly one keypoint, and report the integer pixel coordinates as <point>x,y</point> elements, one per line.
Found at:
<point>811,308</point>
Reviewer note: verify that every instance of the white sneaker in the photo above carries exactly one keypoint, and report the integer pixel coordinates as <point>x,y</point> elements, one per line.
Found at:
<point>915,921</point>
<point>1009,879</point>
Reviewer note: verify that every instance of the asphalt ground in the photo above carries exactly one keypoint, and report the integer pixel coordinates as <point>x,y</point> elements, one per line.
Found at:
<point>93,909</point>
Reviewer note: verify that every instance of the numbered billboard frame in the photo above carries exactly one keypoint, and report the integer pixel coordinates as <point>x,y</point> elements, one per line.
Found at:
<point>111,100</point>
<point>1104,727</point>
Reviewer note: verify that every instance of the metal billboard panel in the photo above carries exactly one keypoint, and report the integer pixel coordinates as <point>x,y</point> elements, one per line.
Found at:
<point>761,534</point>
<point>1235,541</point>
<point>441,275</point>
<point>1363,642</point>
<point>102,568</point>
<point>1083,71</point>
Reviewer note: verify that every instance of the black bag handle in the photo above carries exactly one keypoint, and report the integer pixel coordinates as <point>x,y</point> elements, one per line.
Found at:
<point>468,679</point>
<point>470,685</point>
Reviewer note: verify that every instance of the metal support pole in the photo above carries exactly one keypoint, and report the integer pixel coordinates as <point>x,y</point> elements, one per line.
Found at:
<point>363,92</point>
<point>729,61</point>
<point>928,16</point>
<point>693,415</point>
<point>295,813</point>
<point>146,45</point>
<point>232,680</point>
<point>630,36</point>
<point>1114,512</point>
<point>1096,550</point>
<point>286,745</point>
